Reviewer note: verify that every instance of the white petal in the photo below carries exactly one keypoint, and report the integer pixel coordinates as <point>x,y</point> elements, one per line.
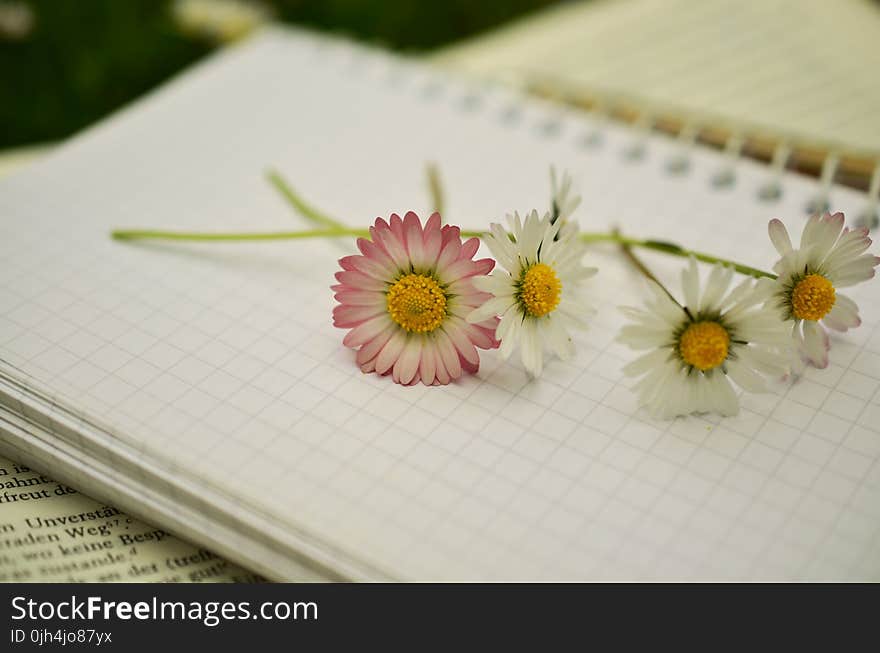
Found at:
<point>690,285</point>
<point>853,271</point>
<point>816,344</point>
<point>557,337</point>
<point>722,397</point>
<point>774,363</point>
<point>844,315</point>
<point>745,377</point>
<point>532,356</point>
<point>493,307</point>
<point>497,283</point>
<point>716,286</point>
<point>852,243</point>
<point>638,336</point>
<point>826,234</point>
<point>779,236</point>
<point>653,359</point>
<point>509,331</point>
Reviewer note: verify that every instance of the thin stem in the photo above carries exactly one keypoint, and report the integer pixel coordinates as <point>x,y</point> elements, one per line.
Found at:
<point>674,250</point>
<point>299,204</point>
<point>341,231</point>
<point>641,267</point>
<point>155,234</point>
<point>435,188</point>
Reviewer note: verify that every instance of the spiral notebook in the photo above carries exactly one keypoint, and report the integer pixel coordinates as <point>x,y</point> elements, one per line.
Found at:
<point>768,79</point>
<point>203,388</point>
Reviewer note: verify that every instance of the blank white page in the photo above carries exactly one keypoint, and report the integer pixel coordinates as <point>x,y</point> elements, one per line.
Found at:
<point>200,359</point>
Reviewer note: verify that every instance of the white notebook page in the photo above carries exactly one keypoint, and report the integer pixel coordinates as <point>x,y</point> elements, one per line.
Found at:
<point>201,359</point>
<point>776,66</point>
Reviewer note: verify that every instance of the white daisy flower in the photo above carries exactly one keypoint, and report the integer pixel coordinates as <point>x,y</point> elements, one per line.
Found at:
<point>562,202</point>
<point>695,351</point>
<point>830,256</point>
<point>536,295</point>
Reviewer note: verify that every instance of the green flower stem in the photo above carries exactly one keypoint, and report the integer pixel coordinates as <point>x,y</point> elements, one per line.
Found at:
<point>299,204</point>
<point>435,188</point>
<point>207,236</point>
<point>155,234</point>
<point>674,250</point>
<point>342,231</point>
<point>646,272</point>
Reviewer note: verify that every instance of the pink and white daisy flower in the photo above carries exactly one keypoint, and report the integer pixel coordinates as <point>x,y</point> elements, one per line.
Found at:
<point>830,257</point>
<point>405,299</point>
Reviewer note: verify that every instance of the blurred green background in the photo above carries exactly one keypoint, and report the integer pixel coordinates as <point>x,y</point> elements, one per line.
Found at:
<point>66,63</point>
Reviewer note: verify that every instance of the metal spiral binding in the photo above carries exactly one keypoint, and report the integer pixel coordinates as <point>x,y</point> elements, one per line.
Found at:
<point>870,216</point>
<point>772,190</point>
<point>726,176</point>
<point>736,144</point>
<point>820,203</point>
<point>680,162</point>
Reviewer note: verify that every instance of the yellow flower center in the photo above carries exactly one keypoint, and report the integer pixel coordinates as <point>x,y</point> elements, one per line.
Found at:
<point>704,345</point>
<point>812,297</point>
<point>417,303</point>
<point>540,290</point>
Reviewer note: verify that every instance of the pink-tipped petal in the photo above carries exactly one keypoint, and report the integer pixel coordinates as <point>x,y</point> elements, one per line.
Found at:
<point>370,267</point>
<point>448,354</point>
<point>483,334</point>
<point>469,248</point>
<point>441,372</point>
<point>396,224</point>
<point>465,267</point>
<point>408,364</point>
<point>383,344</point>
<point>434,223</point>
<point>371,349</point>
<point>414,242</point>
<point>451,233</point>
<point>347,317</point>
<point>390,352</point>
<point>448,254</point>
<point>470,368</point>
<point>433,242</point>
<point>359,280</point>
<point>360,297</point>
<point>367,331</point>
<point>375,253</point>
<point>392,244</point>
<point>457,333</point>
<point>844,315</point>
<point>427,365</point>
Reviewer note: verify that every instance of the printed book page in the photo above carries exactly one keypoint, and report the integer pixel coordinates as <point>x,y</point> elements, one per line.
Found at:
<point>49,532</point>
<point>198,361</point>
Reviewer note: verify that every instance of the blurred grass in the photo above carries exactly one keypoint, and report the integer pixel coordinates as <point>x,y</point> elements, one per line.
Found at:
<point>85,58</point>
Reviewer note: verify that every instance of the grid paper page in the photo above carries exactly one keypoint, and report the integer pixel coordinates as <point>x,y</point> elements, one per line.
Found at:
<point>201,359</point>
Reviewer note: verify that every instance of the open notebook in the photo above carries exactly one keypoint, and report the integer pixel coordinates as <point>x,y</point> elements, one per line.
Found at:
<point>752,74</point>
<point>203,387</point>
